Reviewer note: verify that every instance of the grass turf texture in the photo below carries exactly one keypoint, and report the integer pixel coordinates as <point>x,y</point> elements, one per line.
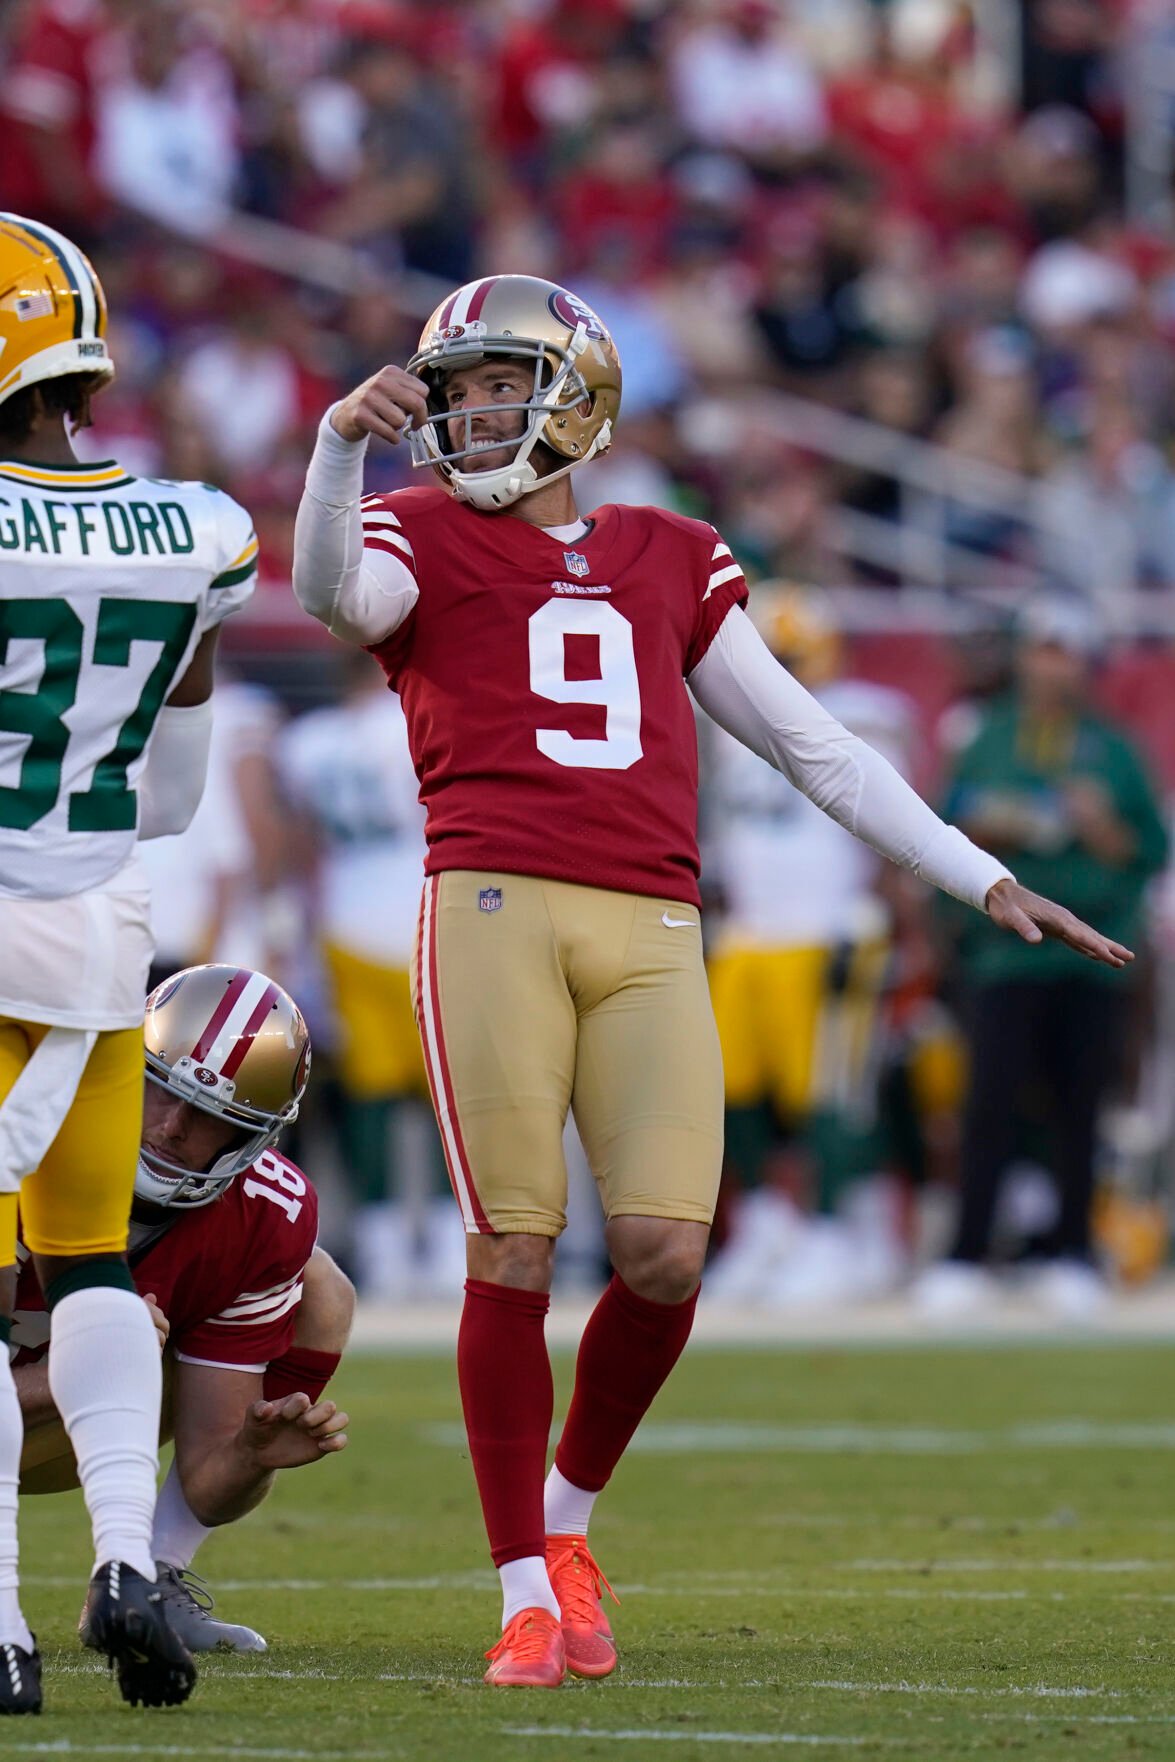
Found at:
<point>926,1553</point>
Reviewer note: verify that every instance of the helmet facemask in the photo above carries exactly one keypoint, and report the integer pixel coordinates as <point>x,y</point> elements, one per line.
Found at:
<point>557,386</point>
<point>161,1182</point>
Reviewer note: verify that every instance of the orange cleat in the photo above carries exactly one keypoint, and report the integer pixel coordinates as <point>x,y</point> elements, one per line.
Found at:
<point>530,1653</point>
<point>578,1583</point>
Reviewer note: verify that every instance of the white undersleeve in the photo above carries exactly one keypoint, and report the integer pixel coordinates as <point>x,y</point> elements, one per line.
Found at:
<point>361,596</point>
<point>741,685</point>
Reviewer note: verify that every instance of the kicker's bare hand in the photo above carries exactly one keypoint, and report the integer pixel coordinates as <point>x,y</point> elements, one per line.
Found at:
<point>1033,917</point>
<point>384,405</point>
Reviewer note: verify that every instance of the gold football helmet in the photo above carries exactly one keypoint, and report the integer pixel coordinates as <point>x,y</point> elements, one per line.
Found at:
<point>573,404</point>
<point>233,1043</point>
<point>52,308</point>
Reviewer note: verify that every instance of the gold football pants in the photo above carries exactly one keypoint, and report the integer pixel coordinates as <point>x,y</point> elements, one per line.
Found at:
<point>534,996</point>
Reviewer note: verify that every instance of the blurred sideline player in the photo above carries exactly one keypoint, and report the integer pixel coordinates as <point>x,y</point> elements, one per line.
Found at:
<point>796,980</point>
<point>112,591</point>
<point>219,891</point>
<point>348,771</point>
<point>542,660</point>
<point>253,1317</point>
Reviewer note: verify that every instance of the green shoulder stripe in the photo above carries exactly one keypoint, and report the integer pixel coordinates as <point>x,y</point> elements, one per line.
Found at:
<point>231,577</point>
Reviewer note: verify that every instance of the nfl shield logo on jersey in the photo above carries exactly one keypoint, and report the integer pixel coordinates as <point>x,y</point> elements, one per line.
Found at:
<point>576,564</point>
<point>490,899</point>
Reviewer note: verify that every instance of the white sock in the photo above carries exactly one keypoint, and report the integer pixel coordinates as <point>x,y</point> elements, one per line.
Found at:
<point>13,1627</point>
<point>567,1510</point>
<point>105,1374</point>
<point>177,1534</point>
<point>525,1585</point>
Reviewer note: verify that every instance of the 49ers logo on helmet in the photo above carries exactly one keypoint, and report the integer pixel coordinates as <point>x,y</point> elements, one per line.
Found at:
<point>203,1075</point>
<point>459,333</point>
<point>570,310</point>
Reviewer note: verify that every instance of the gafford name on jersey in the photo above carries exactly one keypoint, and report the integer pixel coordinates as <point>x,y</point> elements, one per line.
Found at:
<point>552,733</point>
<point>228,1276</point>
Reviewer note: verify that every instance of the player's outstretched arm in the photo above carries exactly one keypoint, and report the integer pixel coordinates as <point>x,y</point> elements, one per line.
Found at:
<point>741,685</point>
<point>361,596</point>
<point>1032,917</point>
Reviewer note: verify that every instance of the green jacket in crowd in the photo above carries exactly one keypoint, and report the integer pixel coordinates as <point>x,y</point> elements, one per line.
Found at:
<point>1021,772</point>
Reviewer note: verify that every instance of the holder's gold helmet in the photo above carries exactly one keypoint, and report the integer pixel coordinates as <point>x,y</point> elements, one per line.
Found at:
<point>576,394</point>
<point>52,308</point>
<point>233,1043</point>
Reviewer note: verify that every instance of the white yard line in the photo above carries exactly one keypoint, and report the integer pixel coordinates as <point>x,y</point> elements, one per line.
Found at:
<point>68,1747</point>
<point>1083,1718</point>
<point>746,1587</point>
<point>727,1437</point>
<point>654,1736</point>
<point>1010,1568</point>
<point>935,1688</point>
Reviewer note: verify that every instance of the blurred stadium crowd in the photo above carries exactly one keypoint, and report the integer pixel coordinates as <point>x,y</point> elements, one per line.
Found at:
<point>893,283</point>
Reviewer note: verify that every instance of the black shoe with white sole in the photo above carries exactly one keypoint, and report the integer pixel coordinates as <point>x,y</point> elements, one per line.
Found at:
<point>125,1619</point>
<point>20,1679</point>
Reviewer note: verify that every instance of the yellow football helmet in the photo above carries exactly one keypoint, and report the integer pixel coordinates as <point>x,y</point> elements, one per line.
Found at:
<point>799,629</point>
<point>576,395</point>
<point>52,308</point>
<point>231,1042</point>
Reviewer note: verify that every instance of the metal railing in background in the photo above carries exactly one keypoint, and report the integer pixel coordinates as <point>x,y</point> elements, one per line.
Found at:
<point>1148,81</point>
<point>932,485</point>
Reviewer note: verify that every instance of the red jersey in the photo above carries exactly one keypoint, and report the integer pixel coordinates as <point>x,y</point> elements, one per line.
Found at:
<point>544,686</point>
<point>228,1276</point>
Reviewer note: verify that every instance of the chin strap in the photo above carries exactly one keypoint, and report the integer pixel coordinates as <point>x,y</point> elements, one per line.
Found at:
<point>487,493</point>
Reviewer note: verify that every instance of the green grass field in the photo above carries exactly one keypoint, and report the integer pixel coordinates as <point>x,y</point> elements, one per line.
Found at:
<point>918,1553</point>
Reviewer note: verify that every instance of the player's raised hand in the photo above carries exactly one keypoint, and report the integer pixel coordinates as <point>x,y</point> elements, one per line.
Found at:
<point>162,1325</point>
<point>384,405</point>
<point>291,1432</point>
<point>1033,917</point>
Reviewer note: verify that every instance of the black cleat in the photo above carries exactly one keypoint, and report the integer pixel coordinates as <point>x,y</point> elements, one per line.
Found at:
<point>20,1679</point>
<point>124,1618</point>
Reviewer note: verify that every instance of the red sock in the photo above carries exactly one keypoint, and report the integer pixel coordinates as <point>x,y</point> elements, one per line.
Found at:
<point>300,1370</point>
<point>629,1347</point>
<point>508,1398</point>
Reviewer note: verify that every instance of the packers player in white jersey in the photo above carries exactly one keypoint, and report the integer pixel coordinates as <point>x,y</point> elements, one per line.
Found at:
<point>111,593</point>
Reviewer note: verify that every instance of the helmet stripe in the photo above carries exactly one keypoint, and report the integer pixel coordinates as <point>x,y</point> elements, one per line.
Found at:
<point>53,243</point>
<point>446,312</point>
<point>221,1014</point>
<point>87,284</point>
<point>478,300</point>
<point>235,1059</point>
